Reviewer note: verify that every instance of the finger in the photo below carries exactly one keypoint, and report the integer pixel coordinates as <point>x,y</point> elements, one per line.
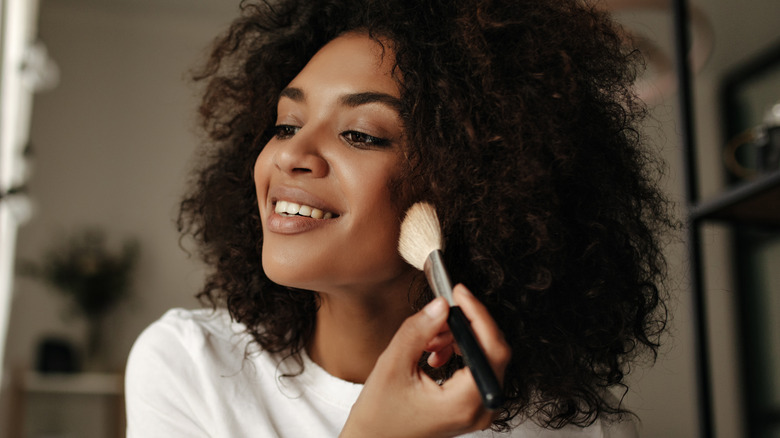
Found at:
<point>440,357</point>
<point>416,332</point>
<point>485,329</point>
<point>441,341</point>
<point>461,387</point>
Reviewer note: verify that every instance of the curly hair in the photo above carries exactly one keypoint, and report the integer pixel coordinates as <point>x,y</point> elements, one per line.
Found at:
<point>523,129</point>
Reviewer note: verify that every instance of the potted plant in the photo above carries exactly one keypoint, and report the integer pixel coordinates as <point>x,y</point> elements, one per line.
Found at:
<point>93,277</point>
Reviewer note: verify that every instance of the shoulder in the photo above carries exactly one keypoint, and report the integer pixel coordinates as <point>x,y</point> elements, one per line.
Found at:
<point>170,371</point>
<point>184,345</point>
<point>191,325</point>
<point>625,428</point>
<point>189,336</point>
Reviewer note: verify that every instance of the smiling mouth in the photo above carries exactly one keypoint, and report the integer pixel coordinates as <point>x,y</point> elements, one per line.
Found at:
<point>286,208</point>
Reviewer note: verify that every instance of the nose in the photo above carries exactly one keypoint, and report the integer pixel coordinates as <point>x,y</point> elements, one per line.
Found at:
<point>301,155</point>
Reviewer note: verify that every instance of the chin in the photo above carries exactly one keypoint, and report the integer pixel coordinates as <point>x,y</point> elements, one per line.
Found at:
<point>291,275</point>
<point>282,276</point>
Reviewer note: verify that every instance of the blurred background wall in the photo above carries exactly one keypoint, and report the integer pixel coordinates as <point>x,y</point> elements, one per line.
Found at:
<point>113,142</point>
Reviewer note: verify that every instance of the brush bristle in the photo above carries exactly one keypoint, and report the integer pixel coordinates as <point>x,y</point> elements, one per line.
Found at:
<point>420,234</point>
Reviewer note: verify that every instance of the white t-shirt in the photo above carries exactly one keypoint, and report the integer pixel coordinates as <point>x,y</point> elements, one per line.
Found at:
<point>197,374</point>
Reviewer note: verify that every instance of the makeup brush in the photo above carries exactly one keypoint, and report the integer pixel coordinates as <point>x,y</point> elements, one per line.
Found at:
<point>421,245</point>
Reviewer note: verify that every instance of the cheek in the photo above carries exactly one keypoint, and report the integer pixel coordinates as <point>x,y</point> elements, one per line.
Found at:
<point>381,222</point>
<point>262,164</point>
<point>260,175</point>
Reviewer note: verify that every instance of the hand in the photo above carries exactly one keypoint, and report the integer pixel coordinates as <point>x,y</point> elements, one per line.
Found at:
<point>400,400</point>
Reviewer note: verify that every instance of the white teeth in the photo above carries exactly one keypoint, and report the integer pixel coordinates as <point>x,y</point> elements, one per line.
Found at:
<point>291,208</point>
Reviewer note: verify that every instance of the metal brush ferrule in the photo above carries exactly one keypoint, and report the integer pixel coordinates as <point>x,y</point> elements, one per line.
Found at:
<point>437,276</point>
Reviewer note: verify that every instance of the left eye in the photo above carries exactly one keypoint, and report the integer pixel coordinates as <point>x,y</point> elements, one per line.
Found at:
<point>361,139</point>
<point>283,132</point>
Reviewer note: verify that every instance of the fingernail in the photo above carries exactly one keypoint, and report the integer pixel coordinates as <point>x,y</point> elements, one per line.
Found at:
<point>435,308</point>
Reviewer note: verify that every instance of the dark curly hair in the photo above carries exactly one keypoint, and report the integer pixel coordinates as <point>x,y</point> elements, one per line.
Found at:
<point>523,129</point>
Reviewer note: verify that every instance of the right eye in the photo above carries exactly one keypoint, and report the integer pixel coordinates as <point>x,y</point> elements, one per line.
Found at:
<point>283,132</point>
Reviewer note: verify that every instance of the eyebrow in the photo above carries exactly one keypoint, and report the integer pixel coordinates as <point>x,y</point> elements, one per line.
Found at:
<point>351,99</point>
<point>293,93</point>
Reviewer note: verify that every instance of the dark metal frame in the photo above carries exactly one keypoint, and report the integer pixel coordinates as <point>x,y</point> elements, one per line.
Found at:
<point>687,128</point>
<point>731,207</point>
<point>758,416</point>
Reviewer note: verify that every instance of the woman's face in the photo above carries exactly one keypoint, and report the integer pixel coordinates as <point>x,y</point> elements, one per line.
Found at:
<point>329,220</point>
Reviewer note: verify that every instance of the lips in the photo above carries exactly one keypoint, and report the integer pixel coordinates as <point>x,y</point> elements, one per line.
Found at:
<point>294,210</point>
<point>289,208</point>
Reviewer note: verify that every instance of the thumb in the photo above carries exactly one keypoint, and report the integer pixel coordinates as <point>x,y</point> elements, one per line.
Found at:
<point>416,331</point>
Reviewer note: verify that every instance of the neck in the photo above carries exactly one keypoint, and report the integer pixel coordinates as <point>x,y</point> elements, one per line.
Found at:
<point>351,332</point>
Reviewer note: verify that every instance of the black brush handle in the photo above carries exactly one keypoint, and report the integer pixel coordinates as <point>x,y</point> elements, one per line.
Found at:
<point>489,388</point>
<point>492,396</point>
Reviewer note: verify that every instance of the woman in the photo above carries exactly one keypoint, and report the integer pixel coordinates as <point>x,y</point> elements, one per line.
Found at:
<point>326,120</point>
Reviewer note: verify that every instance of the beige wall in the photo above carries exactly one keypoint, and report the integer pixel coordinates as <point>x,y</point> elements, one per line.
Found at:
<point>113,143</point>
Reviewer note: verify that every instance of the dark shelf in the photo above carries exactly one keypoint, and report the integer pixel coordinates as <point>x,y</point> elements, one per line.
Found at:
<point>754,202</point>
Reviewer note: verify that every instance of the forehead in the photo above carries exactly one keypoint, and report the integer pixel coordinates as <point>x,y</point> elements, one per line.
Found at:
<point>351,62</point>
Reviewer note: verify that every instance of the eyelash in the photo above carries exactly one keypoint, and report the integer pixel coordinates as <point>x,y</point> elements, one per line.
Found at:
<point>283,132</point>
<point>355,138</point>
<point>365,139</point>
